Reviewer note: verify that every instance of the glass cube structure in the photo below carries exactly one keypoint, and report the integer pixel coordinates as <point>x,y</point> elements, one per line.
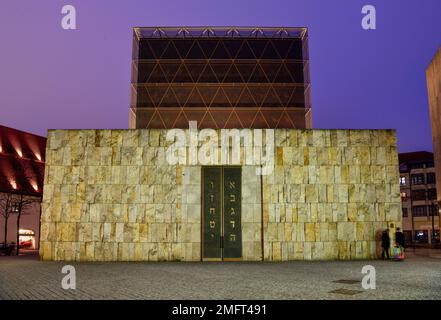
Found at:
<point>221,77</point>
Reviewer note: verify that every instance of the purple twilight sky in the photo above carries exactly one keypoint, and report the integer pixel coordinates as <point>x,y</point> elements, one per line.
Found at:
<point>55,78</point>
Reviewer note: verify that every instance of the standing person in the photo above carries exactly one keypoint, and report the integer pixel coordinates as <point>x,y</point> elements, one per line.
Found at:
<point>385,244</point>
<point>399,238</point>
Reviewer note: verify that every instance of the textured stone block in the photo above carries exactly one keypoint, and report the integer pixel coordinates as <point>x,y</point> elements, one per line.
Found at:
<point>346,231</point>
<point>311,193</point>
<point>85,232</point>
<point>90,251</point>
<point>276,251</point>
<point>46,251</point>
<point>309,232</point>
<point>110,195</point>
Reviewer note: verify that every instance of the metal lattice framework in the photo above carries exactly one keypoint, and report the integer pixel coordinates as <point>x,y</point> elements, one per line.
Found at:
<point>247,32</point>
<point>220,77</point>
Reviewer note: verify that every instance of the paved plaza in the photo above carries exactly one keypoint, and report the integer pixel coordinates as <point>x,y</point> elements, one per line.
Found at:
<point>419,277</point>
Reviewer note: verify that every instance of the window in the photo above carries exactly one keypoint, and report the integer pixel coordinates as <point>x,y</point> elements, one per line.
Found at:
<point>431,178</point>
<point>402,181</point>
<point>417,165</point>
<point>418,195</point>
<point>26,238</point>
<point>433,210</point>
<point>404,212</point>
<point>417,178</point>
<point>15,207</point>
<point>403,196</point>
<point>421,236</point>
<point>419,211</point>
<point>431,194</point>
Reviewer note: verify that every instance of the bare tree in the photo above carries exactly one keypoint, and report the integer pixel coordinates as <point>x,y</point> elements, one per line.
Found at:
<point>23,202</point>
<point>6,200</point>
<point>14,204</point>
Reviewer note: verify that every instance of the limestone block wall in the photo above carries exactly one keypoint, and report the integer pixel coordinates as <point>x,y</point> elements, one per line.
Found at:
<point>331,193</point>
<point>251,215</point>
<point>110,195</point>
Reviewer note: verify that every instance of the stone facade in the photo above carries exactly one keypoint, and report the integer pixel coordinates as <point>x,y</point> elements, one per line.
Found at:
<point>332,191</point>
<point>110,195</point>
<point>433,75</point>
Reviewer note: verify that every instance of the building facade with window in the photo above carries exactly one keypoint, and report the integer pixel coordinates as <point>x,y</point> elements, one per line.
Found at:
<point>22,157</point>
<point>220,163</point>
<point>433,74</point>
<point>419,197</point>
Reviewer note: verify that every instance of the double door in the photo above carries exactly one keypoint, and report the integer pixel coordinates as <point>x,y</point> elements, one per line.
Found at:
<point>221,213</point>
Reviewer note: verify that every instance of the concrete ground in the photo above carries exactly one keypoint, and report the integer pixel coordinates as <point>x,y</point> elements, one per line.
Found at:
<point>418,277</point>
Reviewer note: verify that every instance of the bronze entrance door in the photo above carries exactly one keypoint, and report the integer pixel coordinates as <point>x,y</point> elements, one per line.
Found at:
<point>221,213</point>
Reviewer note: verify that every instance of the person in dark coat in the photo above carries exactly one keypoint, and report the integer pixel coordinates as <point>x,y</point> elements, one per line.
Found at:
<point>399,238</point>
<point>385,244</point>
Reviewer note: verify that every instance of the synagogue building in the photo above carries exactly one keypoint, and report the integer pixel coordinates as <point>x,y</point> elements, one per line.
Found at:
<point>220,162</point>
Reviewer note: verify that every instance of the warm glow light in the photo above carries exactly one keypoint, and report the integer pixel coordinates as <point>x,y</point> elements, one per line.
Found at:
<point>19,152</point>
<point>34,185</point>
<point>1,149</point>
<point>26,232</point>
<point>13,184</point>
<point>38,156</point>
<point>26,238</point>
